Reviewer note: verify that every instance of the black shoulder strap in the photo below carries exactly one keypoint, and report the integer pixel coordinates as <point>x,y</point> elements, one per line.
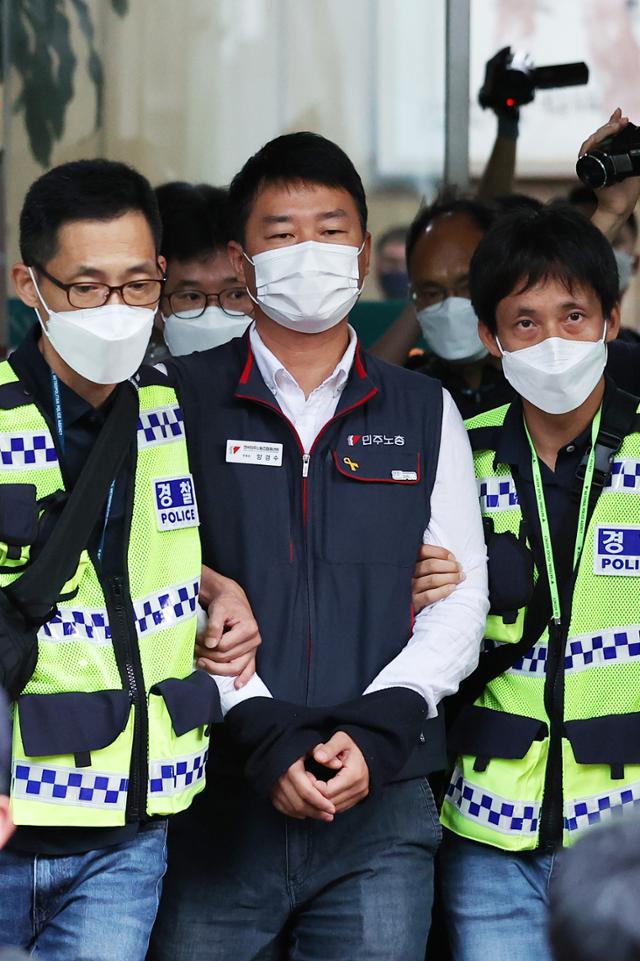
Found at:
<point>618,420</point>
<point>35,593</point>
<point>484,438</point>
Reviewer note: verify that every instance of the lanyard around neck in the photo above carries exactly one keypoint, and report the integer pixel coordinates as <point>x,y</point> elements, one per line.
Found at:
<point>583,512</point>
<point>59,420</point>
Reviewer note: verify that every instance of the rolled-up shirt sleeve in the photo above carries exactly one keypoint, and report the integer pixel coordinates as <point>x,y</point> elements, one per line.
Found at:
<point>445,644</point>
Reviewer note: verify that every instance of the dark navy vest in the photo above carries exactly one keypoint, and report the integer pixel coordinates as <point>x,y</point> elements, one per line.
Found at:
<point>325,547</point>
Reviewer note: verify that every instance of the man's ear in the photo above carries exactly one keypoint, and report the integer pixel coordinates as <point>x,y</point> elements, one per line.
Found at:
<point>25,287</point>
<point>488,338</point>
<point>365,257</point>
<point>237,260</point>
<point>613,323</point>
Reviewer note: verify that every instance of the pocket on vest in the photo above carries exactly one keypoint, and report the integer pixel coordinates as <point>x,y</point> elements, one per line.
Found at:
<point>612,740</point>
<point>484,734</point>
<point>71,758</point>
<point>73,723</point>
<point>180,714</point>
<point>374,506</point>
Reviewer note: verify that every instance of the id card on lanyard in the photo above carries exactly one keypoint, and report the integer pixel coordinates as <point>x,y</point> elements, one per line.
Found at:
<point>59,420</point>
<point>547,544</point>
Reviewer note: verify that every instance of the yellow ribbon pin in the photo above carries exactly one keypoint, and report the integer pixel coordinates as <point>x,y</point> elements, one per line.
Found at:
<point>350,463</point>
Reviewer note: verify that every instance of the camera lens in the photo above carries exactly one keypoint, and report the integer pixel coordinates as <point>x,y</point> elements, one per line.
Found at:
<point>592,169</point>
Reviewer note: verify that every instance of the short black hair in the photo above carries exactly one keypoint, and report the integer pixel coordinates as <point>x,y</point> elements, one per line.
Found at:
<point>505,203</point>
<point>195,220</point>
<point>294,158</point>
<point>82,190</point>
<point>527,246</point>
<point>583,196</point>
<point>594,895</point>
<point>447,204</point>
<point>394,235</point>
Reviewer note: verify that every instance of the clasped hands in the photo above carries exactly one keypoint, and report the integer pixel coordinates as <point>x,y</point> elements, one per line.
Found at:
<point>298,793</point>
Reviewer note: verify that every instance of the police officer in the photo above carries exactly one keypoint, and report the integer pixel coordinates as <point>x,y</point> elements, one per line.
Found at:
<point>111,730</point>
<point>546,740</point>
<point>318,470</point>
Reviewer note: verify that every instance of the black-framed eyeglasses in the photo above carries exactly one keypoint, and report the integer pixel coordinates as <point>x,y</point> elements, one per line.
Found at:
<point>136,293</point>
<point>428,295</point>
<point>191,303</point>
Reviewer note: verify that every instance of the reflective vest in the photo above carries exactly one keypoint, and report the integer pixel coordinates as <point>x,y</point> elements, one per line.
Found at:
<point>113,724</point>
<point>497,791</point>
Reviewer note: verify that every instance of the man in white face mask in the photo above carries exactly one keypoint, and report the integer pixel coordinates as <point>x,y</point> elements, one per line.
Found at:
<point>544,736</point>
<point>94,748</point>
<point>440,243</point>
<point>318,470</point>
<point>204,304</point>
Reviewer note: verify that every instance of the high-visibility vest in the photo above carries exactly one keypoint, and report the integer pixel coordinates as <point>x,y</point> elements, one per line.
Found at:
<point>497,792</point>
<point>113,724</point>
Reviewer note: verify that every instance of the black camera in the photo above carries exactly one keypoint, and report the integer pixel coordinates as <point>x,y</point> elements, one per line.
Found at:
<point>511,80</point>
<point>613,160</point>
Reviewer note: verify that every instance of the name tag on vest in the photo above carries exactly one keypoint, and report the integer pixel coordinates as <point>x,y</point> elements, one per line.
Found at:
<point>617,550</point>
<point>254,452</point>
<point>175,502</point>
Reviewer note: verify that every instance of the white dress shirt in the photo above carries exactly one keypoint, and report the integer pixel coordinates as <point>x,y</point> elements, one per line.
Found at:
<point>445,644</point>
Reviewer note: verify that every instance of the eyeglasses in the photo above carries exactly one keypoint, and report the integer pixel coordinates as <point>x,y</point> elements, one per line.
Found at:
<point>189,304</point>
<point>428,295</point>
<point>137,293</point>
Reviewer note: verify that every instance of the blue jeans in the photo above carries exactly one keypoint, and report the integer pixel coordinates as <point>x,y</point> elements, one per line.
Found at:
<point>245,883</point>
<point>98,906</point>
<point>495,901</point>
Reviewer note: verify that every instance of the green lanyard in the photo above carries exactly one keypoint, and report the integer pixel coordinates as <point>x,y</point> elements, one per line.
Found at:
<point>544,517</point>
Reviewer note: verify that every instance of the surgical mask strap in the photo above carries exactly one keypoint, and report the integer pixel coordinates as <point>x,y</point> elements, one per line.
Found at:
<point>41,299</point>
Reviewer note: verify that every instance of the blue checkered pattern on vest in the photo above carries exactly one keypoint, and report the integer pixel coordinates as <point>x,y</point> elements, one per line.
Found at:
<point>163,610</point>
<point>582,652</point>
<point>31,449</point>
<point>66,785</point>
<point>162,425</point>
<point>498,813</point>
<point>171,777</point>
<point>152,613</point>
<point>625,477</point>
<point>497,493</point>
<point>533,662</point>
<point>598,650</point>
<point>591,810</point>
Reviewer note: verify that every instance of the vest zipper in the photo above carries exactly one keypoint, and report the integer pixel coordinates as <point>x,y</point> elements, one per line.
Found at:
<point>120,619</point>
<point>306,461</point>
<point>551,813</point>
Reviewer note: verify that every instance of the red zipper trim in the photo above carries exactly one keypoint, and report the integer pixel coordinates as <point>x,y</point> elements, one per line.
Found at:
<point>375,480</point>
<point>244,376</point>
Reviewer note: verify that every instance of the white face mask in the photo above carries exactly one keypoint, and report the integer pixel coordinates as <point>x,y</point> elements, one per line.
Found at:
<point>309,287</point>
<point>556,375</point>
<point>213,328</point>
<point>104,344</point>
<point>624,262</point>
<point>450,328</point>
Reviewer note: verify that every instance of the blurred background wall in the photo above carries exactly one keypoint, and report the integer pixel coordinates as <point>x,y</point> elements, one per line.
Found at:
<point>188,89</point>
